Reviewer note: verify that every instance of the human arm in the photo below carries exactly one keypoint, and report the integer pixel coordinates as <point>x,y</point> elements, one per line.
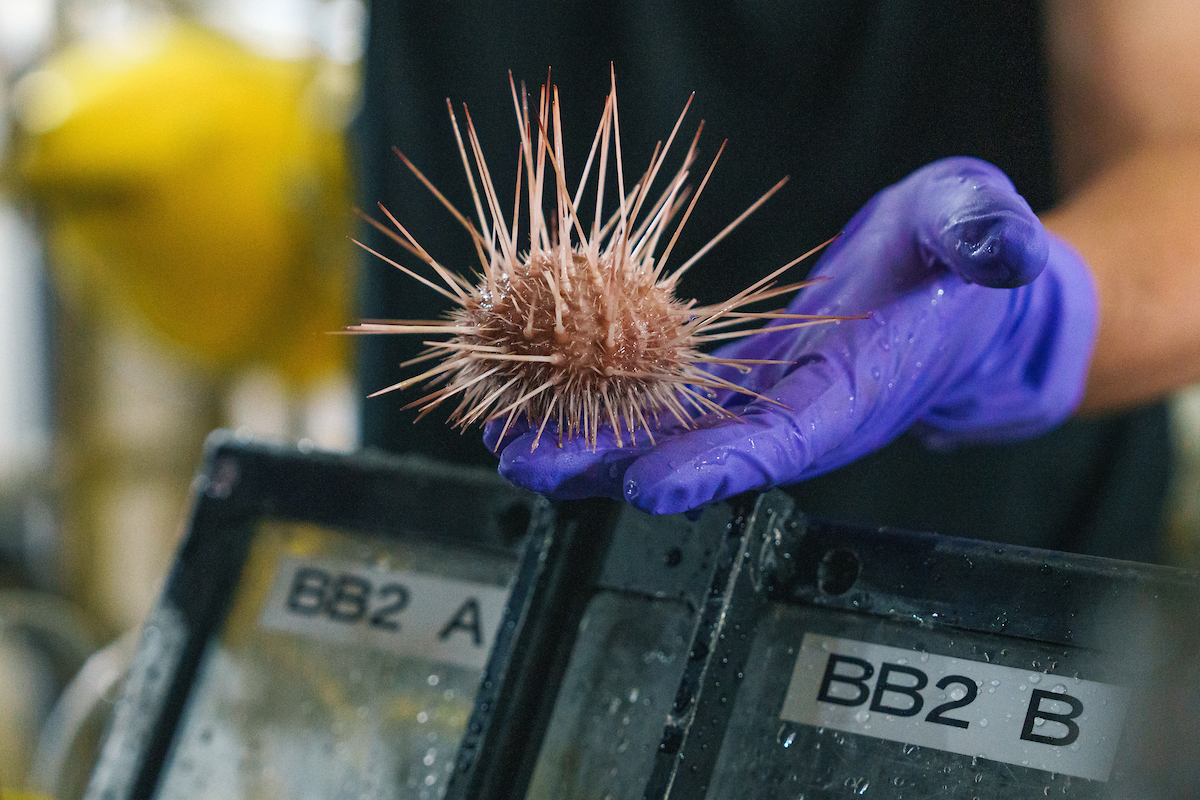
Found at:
<point>1126,100</point>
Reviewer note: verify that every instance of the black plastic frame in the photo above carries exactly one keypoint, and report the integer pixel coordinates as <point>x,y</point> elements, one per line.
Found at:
<point>919,579</point>
<point>728,567</point>
<point>586,547</point>
<point>241,483</point>
<point>771,553</point>
<point>499,748</point>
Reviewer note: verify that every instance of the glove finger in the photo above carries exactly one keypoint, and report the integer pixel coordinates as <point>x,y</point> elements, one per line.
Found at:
<point>571,471</point>
<point>970,217</point>
<point>704,466</point>
<point>766,446</point>
<point>493,428</point>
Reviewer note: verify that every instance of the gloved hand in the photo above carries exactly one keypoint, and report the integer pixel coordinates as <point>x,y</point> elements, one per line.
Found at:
<point>963,345</point>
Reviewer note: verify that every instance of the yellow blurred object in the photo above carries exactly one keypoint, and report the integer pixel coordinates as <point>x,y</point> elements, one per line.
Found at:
<point>11,794</point>
<point>199,184</point>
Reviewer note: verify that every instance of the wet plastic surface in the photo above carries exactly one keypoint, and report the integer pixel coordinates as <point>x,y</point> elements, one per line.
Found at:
<point>617,690</point>
<point>741,654</point>
<point>277,714</point>
<point>1076,660</point>
<point>768,756</point>
<point>322,633</point>
<point>1006,672</point>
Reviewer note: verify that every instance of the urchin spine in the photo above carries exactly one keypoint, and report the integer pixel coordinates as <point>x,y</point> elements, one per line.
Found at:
<point>582,327</point>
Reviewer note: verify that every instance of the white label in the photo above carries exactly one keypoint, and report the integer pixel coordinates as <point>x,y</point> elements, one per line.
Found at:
<point>1032,719</point>
<point>441,619</point>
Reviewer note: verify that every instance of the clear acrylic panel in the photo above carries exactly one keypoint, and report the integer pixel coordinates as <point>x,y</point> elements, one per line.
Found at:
<point>608,720</point>
<point>765,755</point>
<point>316,688</point>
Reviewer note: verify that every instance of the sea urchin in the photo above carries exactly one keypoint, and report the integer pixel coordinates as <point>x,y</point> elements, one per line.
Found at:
<point>582,327</point>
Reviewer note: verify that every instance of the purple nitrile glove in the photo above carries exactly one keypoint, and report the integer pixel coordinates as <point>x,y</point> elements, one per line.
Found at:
<point>963,345</point>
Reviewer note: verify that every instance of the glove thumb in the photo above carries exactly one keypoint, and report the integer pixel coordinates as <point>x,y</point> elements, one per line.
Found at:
<point>971,218</point>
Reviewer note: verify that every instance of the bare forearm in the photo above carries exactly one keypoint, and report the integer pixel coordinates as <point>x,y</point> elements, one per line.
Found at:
<point>1137,224</point>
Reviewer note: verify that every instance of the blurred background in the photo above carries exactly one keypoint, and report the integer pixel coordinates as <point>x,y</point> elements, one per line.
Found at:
<point>175,205</point>
<point>175,202</point>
